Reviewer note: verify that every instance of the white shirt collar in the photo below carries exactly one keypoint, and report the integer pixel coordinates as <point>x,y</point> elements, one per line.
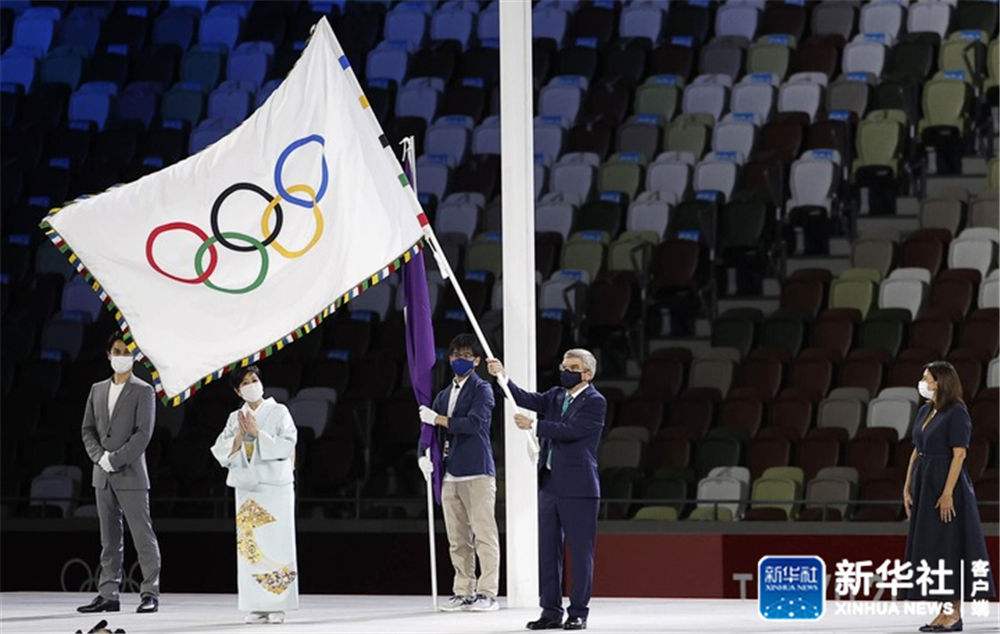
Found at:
<point>267,401</point>
<point>577,391</point>
<point>458,383</point>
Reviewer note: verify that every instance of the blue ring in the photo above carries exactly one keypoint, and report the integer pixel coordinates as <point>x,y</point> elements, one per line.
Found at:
<point>294,145</point>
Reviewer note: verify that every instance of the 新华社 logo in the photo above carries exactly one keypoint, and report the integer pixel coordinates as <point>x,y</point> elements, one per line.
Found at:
<point>791,587</point>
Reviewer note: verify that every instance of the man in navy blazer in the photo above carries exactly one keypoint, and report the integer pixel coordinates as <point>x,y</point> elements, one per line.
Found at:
<point>468,494</point>
<point>569,426</point>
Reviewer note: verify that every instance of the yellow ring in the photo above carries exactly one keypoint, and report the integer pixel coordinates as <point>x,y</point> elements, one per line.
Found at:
<point>317,214</point>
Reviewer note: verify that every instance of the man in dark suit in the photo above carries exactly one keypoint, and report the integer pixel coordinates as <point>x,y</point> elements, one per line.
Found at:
<point>117,425</point>
<point>569,425</point>
<point>464,410</point>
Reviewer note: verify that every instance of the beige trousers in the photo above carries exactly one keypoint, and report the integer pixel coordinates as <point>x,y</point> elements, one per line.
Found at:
<point>469,517</point>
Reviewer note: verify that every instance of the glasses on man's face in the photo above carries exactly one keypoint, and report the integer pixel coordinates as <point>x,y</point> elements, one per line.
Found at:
<point>467,357</point>
<point>569,368</point>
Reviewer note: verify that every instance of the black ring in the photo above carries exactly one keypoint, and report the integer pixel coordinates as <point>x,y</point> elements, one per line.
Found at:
<point>279,216</point>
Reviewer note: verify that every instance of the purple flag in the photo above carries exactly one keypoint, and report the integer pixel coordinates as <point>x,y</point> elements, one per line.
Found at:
<point>420,352</point>
<point>420,355</point>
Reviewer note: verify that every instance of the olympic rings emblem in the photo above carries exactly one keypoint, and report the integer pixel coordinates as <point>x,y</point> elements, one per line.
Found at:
<point>246,243</point>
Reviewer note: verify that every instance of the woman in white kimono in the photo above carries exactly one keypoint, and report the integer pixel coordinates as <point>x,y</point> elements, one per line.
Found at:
<point>258,448</point>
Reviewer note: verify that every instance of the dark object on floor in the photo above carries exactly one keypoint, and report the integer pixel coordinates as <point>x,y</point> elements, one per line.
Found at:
<point>102,628</point>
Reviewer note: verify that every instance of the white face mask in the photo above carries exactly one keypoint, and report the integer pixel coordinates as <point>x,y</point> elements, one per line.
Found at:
<point>925,390</point>
<point>121,363</point>
<point>252,392</point>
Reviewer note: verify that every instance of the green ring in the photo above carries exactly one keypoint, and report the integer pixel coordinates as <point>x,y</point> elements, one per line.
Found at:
<point>233,235</point>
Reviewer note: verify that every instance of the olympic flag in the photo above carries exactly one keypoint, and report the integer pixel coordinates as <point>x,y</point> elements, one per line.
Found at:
<point>235,252</point>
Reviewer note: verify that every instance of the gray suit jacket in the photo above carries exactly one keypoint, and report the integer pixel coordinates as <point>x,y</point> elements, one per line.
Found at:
<point>124,434</point>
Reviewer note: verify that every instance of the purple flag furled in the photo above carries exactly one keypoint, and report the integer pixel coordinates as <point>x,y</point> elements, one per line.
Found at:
<point>421,356</point>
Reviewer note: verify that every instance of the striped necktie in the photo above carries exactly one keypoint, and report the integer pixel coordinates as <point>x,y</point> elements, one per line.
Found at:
<point>548,456</point>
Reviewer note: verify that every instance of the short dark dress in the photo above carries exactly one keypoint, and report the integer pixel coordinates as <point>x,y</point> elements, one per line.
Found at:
<point>928,537</point>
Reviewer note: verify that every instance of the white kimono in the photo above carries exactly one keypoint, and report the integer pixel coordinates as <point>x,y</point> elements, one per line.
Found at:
<point>262,472</point>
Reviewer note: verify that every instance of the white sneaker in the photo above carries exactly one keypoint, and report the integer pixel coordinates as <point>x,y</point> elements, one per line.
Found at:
<point>483,603</point>
<point>456,603</point>
<point>255,618</point>
<point>276,617</point>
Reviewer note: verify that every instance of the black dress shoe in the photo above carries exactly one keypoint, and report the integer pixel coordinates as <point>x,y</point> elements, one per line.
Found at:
<point>545,623</point>
<point>100,604</point>
<point>575,623</point>
<point>149,604</point>
<point>954,627</point>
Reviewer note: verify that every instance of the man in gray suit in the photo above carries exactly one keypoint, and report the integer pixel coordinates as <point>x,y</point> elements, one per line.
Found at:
<point>117,426</point>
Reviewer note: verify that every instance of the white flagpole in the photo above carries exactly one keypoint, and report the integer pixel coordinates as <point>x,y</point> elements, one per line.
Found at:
<point>408,156</point>
<point>445,268</point>
<point>431,535</point>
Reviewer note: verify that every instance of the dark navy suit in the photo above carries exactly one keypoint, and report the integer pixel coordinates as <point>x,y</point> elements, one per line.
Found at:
<point>568,494</point>
<point>470,451</point>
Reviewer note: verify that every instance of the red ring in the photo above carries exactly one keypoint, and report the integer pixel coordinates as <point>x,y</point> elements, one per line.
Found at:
<point>213,256</point>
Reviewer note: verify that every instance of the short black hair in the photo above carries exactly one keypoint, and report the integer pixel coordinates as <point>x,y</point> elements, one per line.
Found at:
<point>236,376</point>
<point>465,341</point>
<point>115,336</point>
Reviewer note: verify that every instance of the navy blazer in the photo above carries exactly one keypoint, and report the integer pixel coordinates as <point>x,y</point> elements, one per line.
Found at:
<point>470,449</point>
<point>574,438</point>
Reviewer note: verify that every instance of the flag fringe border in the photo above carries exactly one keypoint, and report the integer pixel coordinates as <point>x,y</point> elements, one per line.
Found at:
<point>302,330</point>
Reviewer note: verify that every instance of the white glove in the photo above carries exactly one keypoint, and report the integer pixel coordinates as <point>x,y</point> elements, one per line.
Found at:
<point>533,451</point>
<point>105,462</point>
<point>427,415</point>
<point>426,466</point>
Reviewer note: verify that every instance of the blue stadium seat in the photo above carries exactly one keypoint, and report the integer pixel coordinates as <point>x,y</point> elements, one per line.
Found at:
<point>221,25</point>
<point>486,137</point>
<point>137,102</point>
<point>175,26</point>
<point>79,297</point>
<point>208,132</point>
<point>33,29</point>
<point>406,24</point>
<point>230,102</point>
<point>449,136</point>
<point>81,29</point>
<point>63,65</point>
<point>549,135</point>
<point>641,20</point>
<point>17,66</point>
<point>197,5</point>
<point>453,24</point>
<point>419,98</point>
<point>562,97</point>
<point>549,22</point>
<point>203,65</point>
<point>433,175</point>
<point>185,101</point>
<point>424,6</point>
<point>488,26</point>
<point>93,102</point>
<point>251,61</point>
<point>326,6</point>
<point>387,61</point>
<point>265,91</point>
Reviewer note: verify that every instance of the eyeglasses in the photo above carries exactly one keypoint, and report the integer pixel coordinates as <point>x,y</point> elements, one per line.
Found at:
<point>467,357</point>
<point>564,368</point>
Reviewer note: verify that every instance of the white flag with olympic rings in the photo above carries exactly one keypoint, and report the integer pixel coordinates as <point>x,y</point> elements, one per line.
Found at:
<point>230,254</point>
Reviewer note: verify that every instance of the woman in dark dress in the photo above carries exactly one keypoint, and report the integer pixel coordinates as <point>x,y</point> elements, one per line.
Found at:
<point>939,499</point>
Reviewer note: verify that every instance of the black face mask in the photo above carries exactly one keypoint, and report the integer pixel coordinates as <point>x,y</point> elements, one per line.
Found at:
<point>570,379</point>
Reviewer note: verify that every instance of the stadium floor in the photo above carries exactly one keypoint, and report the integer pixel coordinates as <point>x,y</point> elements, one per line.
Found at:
<point>55,612</point>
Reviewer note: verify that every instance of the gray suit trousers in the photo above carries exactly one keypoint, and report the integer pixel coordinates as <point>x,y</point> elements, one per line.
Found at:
<point>134,505</point>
